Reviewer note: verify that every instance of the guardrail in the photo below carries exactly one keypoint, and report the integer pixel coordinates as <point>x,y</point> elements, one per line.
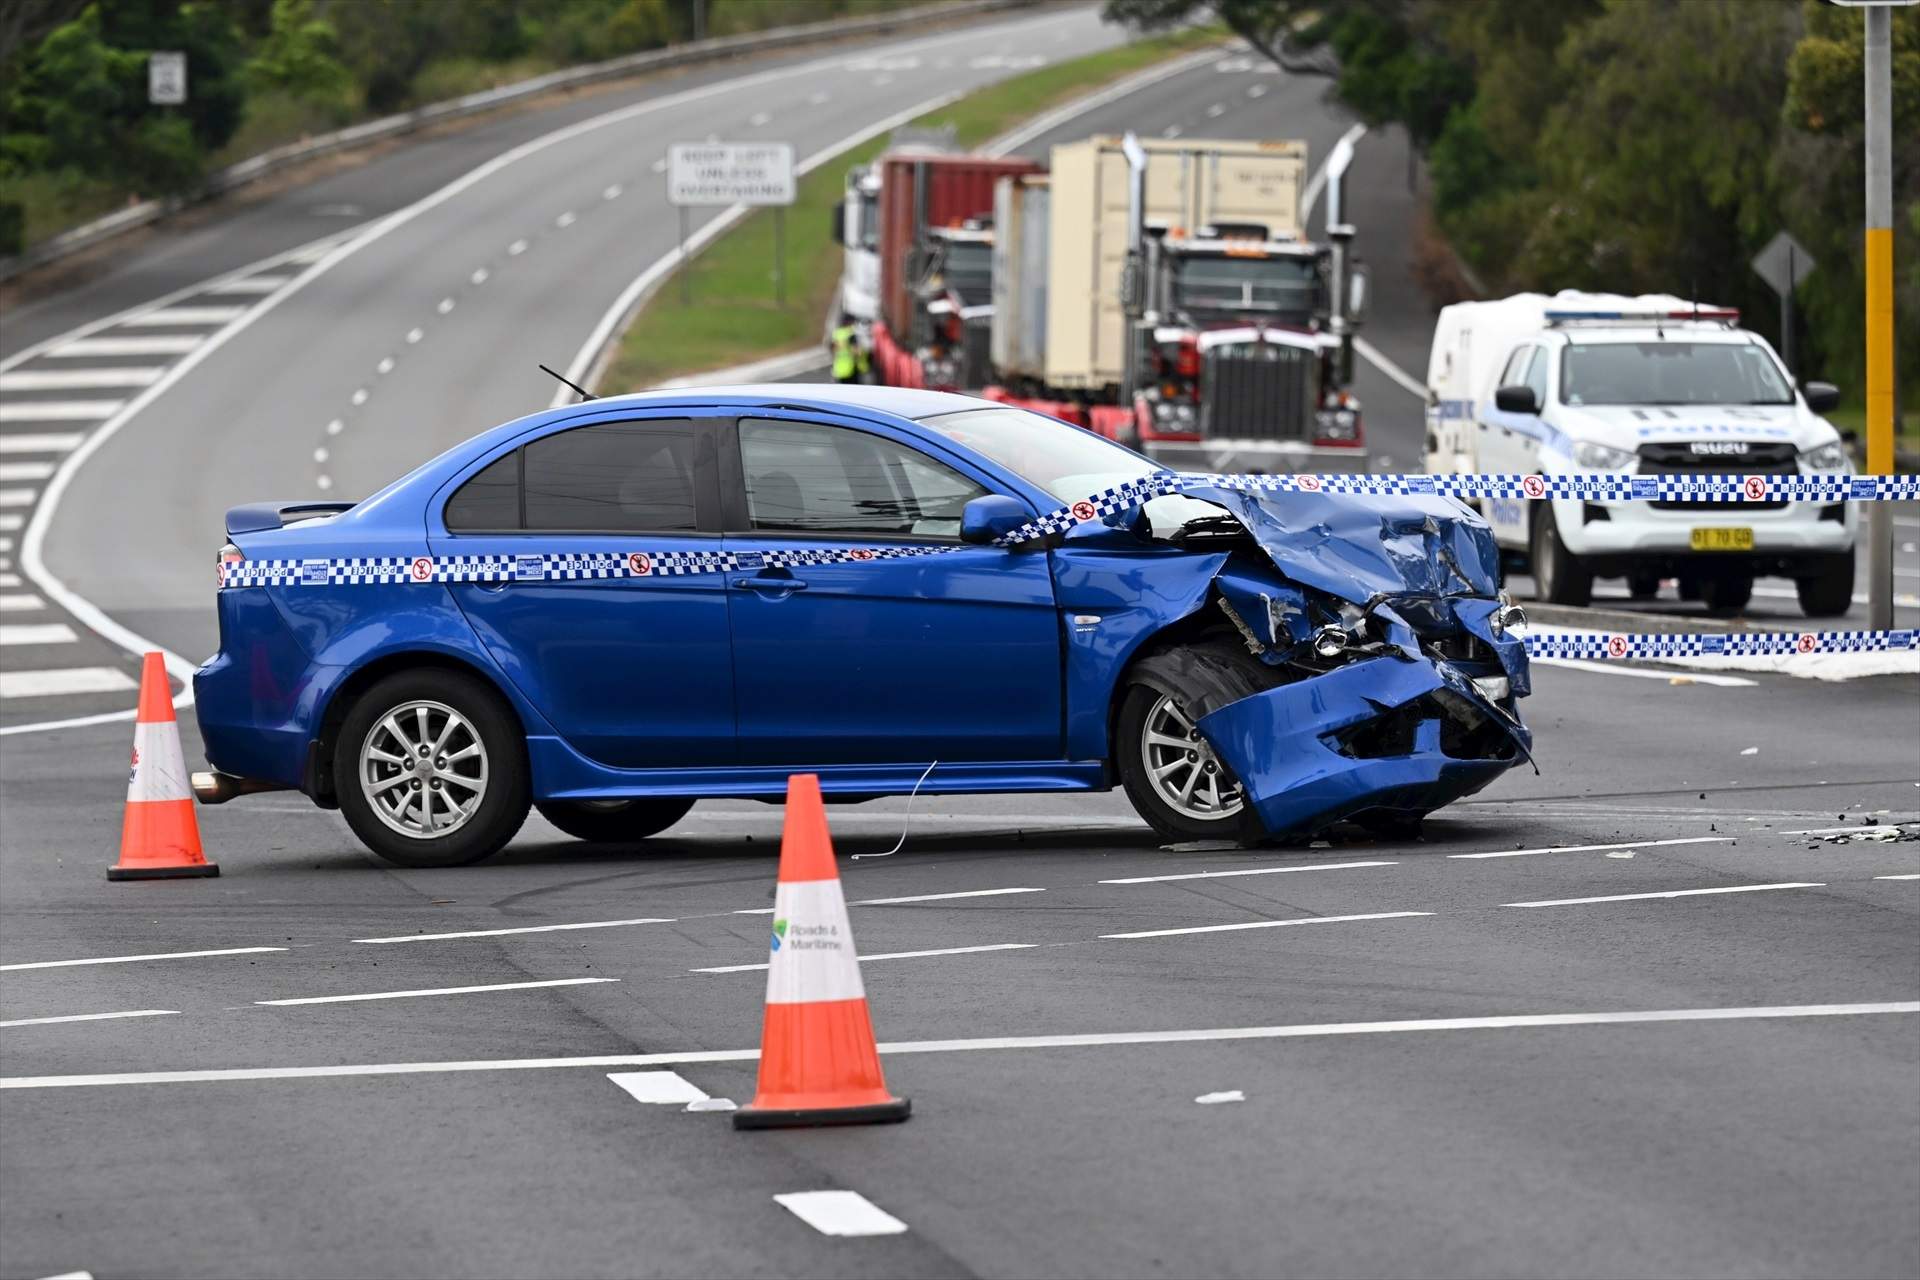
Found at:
<point>359,135</point>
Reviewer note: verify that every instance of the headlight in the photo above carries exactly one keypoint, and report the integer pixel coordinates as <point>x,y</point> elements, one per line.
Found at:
<point>1330,642</point>
<point>1173,412</point>
<point>1493,688</point>
<point>1601,457</point>
<point>1509,622</point>
<point>1828,457</point>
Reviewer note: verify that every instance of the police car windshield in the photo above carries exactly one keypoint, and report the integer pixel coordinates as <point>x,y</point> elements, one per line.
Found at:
<point>1067,462</point>
<point>1670,373</point>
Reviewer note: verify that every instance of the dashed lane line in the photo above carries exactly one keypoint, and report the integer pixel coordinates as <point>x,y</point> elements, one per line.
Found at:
<point>88,1017</point>
<point>531,928</point>
<point>437,991</point>
<point>229,1075</point>
<point>163,955</point>
<point>1249,871</point>
<point>1900,877</point>
<point>1267,924</point>
<point>659,1088</point>
<point>1594,848</point>
<point>939,897</point>
<point>1670,893</point>
<point>840,1213</point>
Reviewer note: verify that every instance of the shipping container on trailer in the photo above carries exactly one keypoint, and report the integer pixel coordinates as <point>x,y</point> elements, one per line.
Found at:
<point>1020,222</point>
<point>920,190</point>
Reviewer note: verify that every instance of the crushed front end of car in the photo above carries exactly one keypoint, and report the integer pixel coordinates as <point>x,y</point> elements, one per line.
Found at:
<point>1398,664</point>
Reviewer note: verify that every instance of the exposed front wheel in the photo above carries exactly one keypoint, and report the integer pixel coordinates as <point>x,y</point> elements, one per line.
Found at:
<point>1559,576</point>
<point>615,821</point>
<point>431,769</point>
<point>1169,770</point>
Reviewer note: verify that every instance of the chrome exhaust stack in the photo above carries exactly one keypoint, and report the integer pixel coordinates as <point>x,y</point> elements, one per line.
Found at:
<point>214,787</point>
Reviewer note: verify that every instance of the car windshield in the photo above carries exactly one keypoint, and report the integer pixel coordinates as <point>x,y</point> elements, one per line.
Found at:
<point>1671,373</point>
<point>1066,461</point>
<point>967,268</point>
<point>1284,286</point>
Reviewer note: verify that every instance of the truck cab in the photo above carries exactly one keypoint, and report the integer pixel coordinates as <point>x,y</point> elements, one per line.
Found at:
<point>954,294</point>
<point>1599,384</point>
<point>856,229</point>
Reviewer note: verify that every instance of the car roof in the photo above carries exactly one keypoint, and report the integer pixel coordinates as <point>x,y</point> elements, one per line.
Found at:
<point>901,402</point>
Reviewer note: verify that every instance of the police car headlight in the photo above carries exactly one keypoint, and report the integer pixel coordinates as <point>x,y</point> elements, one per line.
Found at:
<point>1330,642</point>
<point>1509,622</point>
<point>1493,688</point>
<point>1601,457</point>
<point>1828,457</point>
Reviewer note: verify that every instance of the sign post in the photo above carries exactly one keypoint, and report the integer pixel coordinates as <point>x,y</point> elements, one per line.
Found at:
<point>166,78</point>
<point>1783,264</point>
<point>733,173</point>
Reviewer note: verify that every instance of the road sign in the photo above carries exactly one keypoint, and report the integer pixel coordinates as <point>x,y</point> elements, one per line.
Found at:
<point>758,173</point>
<point>166,78</point>
<point>1784,263</point>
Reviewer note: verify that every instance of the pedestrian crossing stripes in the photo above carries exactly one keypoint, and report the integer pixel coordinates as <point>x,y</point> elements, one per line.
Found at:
<point>58,410</point>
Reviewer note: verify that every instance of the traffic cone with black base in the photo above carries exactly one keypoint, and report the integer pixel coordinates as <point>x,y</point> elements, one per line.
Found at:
<point>160,839</point>
<point>818,1063</point>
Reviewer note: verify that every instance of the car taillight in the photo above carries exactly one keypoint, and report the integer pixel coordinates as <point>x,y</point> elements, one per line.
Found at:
<point>231,557</point>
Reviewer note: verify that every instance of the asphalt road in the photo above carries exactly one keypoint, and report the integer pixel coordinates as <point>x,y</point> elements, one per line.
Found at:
<point>1760,1116</point>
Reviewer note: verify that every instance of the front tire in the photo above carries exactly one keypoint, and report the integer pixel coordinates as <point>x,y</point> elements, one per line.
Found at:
<point>431,769</point>
<point>1728,592</point>
<point>1559,576</point>
<point>1169,771</point>
<point>615,821</point>
<point>1828,591</point>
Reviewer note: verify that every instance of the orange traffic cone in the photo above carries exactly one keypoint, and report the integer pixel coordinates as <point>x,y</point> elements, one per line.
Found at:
<point>818,1063</point>
<point>160,840</point>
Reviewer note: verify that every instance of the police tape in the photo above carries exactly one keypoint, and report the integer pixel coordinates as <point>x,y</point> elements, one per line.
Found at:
<point>1679,487</point>
<point>1602,646</point>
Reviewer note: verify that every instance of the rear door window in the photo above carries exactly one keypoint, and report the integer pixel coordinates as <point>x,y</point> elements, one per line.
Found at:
<point>804,477</point>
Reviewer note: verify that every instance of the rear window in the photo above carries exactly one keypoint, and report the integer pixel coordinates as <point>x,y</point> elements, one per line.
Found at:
<point>615,477</point>
<point>489,501</point>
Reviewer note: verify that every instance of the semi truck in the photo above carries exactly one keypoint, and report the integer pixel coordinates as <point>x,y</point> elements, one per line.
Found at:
<point>1163,293</point>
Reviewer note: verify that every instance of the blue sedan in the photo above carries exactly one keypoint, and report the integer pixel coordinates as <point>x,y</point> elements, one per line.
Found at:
<point>612,610</point>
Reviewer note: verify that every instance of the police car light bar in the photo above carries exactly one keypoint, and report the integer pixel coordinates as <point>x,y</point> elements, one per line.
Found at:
<point>1728,315</point>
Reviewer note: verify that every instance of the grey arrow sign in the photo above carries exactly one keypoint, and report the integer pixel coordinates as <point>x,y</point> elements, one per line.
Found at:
<point>1784,263</point>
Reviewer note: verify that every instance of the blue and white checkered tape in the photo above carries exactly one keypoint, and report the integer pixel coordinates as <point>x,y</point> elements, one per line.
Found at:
<point>1739,644</point>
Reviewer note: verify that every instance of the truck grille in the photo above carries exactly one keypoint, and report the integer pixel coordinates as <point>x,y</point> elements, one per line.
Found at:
<point>1258,391</point>
<point>1760,459</point>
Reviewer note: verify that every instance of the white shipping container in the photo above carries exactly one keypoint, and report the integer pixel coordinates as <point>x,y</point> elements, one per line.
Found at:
<point>1020,222</point>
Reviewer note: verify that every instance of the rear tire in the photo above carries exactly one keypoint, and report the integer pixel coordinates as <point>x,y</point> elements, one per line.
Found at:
<point>1643,586</point>
<point>615,821</point>
<point>1728,592</point>
<point>1828,591</point>
<point>1166,694</point>
<point>458,801</point>
<point>1559,576</point>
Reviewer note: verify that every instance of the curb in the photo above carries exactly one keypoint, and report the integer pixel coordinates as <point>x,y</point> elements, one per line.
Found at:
<point>270,162</point>
<point>1623,621</point>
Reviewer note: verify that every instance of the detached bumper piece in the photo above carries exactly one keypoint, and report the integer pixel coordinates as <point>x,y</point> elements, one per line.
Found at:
<point>1385,735</point>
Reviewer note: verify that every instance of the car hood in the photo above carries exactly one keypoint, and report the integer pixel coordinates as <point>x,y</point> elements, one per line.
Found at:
<point>1357,547</point>
<point>1625,426</point>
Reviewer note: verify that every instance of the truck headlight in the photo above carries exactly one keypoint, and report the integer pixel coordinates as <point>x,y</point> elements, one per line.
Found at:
<point>1601,457</point>
<point>1173,413</point>
<point>1828,457</point>
<point>1336,425</point>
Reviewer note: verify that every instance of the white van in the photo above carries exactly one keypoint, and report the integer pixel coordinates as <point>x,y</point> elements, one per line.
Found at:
<point>1600,383</point>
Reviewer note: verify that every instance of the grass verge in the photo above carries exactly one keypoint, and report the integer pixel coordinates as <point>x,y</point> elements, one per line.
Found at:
<point>733,318</point>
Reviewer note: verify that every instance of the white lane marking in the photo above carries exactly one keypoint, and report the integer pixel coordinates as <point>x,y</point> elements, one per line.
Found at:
<point>10,523</point>
<point>385,366</point>
<point>1593,848</point>
<point>70,1275</point>
<point>1226,1095</point>
<point>1257,91</point>
<point>888,955</point>
<point>659,166</point>
<point>223,1075</point>
<point>840,1213</point>
<point>169,317</point>
<point>1378,359</point>
<point>1268,924</point>
<point>1250,871</point>
<point>1215,111</point>
<point>46,442</point>
<point>359,397</point>
<point>517,248</point>
<point>37,633</point>
<point>24,602</point>
<point>938,897</point>
<point>1642,673</point>
<point>79,379</point>
<point>25,470</point>
<point>58,410</point>
<point>758,119</point>
<point>61,681</point>
<point>8,580</point>
<point>479,275</point>
<point>814,99</point>
<point>659,1088</point>
<point>1319,179</point>
<point>323,483</point>
<point>611,193</point>
<point>319,455</point>
<point>1048,121</point>
<point>335,427</point>
<point>1671,893</point>
<point>437,991</point>
<point>565,220</point>
<point>159,345</point>
<point>161,955</point>
<point>415,334</point>
<point>599,340</point>
<point>446,305</point>
<point>16,497</point>
<point>1171,131</point>
<point>251,285</point>
<point>87,1017</point>
<point>1843,831</point>
<point>531,928</point>
<point>1904,877</point>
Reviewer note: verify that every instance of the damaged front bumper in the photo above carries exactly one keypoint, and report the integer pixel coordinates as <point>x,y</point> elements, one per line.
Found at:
<point>1393,736</point>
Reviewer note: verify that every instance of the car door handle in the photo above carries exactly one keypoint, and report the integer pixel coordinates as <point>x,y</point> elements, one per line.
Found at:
<point>771,586</point>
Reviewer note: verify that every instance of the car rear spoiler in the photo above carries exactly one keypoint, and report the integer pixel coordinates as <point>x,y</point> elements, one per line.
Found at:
<point>257,516</point>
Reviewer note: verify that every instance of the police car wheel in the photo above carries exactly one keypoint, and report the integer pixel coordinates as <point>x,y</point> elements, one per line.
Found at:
<point>1828,591</point>
<point>1167,768</point>
<point>1728,592</point>
<point>615,821</point>
<point>1643,586</point>
<point>431,769</point>
<point>1559,576</point>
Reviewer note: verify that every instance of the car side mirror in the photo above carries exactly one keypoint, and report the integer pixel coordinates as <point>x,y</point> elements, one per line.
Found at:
<point>991,517</point>
<point>1822,397</point>
<point>1516,399</point>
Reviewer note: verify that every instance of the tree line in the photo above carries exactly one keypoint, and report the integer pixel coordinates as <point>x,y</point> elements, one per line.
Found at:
<point>1627,145</point>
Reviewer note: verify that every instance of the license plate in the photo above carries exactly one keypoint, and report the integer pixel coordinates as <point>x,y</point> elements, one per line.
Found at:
<point>1722,539</point>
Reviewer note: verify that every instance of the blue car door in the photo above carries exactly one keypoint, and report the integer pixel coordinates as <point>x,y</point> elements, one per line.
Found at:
<point>631,666</point>
<point>887,658</point>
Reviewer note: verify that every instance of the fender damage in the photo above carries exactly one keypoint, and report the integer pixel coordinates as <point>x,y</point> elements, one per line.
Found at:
<point>1397,663</point>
